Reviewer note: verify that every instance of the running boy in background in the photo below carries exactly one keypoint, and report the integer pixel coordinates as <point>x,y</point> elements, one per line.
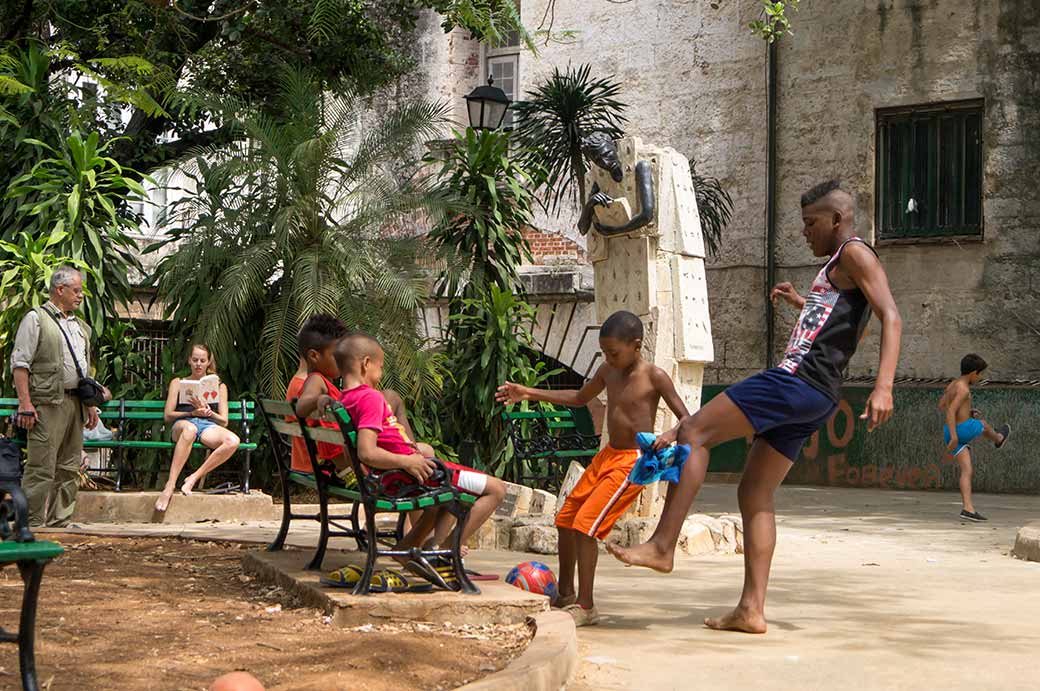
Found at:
<point>382,444</point>
<point>317,348</point>
<point>603,494</point>
<point>783,406</point>
<point>963,426</point>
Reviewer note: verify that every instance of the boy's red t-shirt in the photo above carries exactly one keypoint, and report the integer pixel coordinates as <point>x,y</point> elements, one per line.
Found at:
<point>300,458</point>
<point>368,409</point>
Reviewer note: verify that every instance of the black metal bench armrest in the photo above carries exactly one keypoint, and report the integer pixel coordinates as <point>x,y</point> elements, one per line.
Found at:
<point>14,513</point>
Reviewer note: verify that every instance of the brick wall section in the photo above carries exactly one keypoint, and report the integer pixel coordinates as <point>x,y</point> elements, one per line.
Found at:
<point>550,248</point>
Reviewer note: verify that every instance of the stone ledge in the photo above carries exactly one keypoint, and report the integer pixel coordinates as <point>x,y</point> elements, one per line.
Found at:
<point>573,280</point>
<point>139,507</point>
<point>548,664</point>
<point>701,534</point>
<point>1027,542</point>
<point>498,603</point>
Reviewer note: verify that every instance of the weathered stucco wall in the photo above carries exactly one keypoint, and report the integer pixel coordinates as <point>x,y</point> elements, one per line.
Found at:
<point>694,79</point>
<point>956,297</point>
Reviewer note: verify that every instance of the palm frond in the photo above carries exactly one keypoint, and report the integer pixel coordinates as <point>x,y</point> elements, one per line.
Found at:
<point>714,206</point>
<point>552,120</point>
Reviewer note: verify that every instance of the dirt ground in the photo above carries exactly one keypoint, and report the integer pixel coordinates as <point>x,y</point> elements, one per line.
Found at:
<point>171,615</point>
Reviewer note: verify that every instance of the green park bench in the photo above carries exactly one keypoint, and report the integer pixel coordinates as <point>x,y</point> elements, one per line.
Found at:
<point>366,495</point>
<point>546,440</point>
<point>139,425</point>
<point>19,547</point>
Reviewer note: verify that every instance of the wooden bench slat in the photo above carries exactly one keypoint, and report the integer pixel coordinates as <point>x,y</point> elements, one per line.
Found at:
<point>329,436</point>
<point>11,551</point>
<point>290,429</point>
<point>408,504</point>
<point>152,444</point>
<point>537,415</point>
<point>279,408</point>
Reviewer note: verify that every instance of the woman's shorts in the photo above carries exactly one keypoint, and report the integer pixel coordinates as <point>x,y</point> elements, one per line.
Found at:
<point>201,425</point>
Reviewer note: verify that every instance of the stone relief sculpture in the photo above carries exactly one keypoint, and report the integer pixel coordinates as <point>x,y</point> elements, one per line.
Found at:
<point>647,252</point>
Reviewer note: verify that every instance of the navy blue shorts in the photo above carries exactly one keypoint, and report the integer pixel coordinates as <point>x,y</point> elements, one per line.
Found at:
<point>783,409</point>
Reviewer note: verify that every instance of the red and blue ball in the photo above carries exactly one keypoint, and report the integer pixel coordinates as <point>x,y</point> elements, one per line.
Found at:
<point>534,577</point>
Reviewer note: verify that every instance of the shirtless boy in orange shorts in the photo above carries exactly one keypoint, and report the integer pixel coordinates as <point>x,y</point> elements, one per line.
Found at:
<point>634,388</point>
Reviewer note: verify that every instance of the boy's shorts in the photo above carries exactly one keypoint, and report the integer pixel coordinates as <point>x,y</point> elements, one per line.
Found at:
<point>602,495</point>
<point>783,409</point>
<point>468,480</point>
<point>967,431</point>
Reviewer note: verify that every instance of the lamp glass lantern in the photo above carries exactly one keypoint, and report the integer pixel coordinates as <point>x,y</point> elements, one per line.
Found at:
<point>487,106</point>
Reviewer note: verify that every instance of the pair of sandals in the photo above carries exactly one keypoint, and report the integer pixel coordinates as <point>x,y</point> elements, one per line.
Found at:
<point>436,571</point>
<point>385,581</point>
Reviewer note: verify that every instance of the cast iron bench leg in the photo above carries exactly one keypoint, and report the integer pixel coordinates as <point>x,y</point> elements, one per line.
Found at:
<point>32,574</point>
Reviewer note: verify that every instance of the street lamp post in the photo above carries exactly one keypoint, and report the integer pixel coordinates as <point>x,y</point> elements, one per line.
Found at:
<point>487,106</point>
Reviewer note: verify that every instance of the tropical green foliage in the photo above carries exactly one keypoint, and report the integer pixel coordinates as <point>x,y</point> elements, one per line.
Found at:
<point>301,220</point>
<point>550,124</point>
<point>482,245</point>
<point>715,207</point>
<point>489,21</point>
<point>121,367</point>
<point>773,23</point>
<point>26,265</point>
<point>226,47</point>
<point>77,199</point>
<point>481,248</point>
<point>487,344</point>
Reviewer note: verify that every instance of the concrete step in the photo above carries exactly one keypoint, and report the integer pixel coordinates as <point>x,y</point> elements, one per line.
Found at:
<point>139,507</point>
<point>497,603</point>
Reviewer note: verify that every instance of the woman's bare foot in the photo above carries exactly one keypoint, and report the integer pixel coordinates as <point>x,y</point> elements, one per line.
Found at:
<point>646,554</point>
<point>188,486</point>
<point>163,502</point>
<point>739,619</point>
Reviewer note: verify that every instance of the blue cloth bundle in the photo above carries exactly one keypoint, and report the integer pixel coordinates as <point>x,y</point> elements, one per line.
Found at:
<point>654,466</point>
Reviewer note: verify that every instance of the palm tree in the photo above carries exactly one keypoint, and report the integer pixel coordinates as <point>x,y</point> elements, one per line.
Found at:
<point>550,124</point>
<point>306,213</point>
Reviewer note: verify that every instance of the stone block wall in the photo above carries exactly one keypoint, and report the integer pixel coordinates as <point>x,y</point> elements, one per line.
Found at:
<point>955,298</point>
<point>695,80</point>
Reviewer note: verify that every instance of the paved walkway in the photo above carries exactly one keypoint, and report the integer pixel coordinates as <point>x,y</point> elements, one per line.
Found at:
<point>870,590</point>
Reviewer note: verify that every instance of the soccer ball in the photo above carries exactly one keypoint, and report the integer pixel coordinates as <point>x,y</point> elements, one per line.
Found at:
<point>534,577</point>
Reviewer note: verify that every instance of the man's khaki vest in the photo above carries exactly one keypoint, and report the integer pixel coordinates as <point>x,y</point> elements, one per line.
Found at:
<point>46,376</point>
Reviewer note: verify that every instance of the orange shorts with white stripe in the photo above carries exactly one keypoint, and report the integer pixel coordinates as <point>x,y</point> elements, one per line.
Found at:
<point>602,495</point>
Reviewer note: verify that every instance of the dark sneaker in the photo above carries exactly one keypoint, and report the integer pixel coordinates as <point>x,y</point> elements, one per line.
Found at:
<point>1004,432</point>
<point>972,516</point>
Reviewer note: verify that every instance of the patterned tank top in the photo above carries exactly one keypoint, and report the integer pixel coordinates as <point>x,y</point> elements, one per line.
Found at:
<point>828,331</point>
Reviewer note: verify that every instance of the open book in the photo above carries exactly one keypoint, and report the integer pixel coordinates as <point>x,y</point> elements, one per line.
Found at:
<point>617,213</point>
<point>206,389</point>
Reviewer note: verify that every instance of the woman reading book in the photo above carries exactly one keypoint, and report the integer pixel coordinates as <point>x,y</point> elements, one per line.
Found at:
<point>197,409</point>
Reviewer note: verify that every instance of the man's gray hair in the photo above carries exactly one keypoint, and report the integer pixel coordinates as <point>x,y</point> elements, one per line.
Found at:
<point>63,276</point>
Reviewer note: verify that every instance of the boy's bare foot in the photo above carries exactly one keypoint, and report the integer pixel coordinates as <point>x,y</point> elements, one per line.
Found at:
<point>163,502</point>
<point>739,619</point>
<point>189,484</point>
<point>646,554</point>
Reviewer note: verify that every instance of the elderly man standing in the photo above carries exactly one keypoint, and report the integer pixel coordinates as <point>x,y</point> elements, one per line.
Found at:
<point>45,377</point>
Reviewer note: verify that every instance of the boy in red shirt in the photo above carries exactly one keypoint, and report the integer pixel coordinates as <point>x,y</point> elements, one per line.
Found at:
<point>317,344</point>
<point>382,443</point>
